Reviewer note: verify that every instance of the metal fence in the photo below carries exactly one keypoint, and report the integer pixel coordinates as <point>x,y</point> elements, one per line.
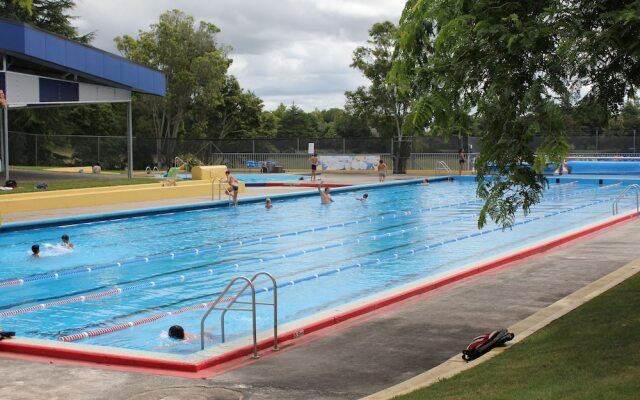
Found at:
<point>441,161</point>
<point>285,160</point>
<point>426,153</point>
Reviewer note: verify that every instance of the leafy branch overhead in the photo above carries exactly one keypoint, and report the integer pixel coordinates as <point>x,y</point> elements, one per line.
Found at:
<point>511,67</point>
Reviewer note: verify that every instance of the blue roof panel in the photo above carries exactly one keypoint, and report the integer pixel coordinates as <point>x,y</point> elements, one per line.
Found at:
<point>41,46</point>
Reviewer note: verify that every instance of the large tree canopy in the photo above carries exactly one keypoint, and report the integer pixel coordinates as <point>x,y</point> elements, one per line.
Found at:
<point>51,15</point>
<point>511,66</point>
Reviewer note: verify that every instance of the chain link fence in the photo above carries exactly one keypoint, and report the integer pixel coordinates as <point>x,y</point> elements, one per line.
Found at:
<point>422,152</point>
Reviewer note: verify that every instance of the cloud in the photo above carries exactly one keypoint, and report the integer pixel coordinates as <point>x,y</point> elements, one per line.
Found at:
<point>283,50</point>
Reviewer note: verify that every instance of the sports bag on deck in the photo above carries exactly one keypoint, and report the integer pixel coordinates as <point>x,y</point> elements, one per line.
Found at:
<point>486,342</point>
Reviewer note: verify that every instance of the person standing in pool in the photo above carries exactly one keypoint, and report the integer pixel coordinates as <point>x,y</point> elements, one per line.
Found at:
<point>314,160</point>
<point>382,170</point>
<point>66,243</point>
<point>233,187</point>
<point>267,204</point>
<point>325,195</point>
<point>461,160</point>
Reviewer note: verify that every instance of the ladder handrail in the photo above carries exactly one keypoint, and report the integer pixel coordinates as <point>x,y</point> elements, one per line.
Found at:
<point>215,303</point>
<point>234,300</point>
<point>182,162</point>
<point>614,205</point>
<point>444,166</point>
<point>274,304</point>
<point>213,181</point>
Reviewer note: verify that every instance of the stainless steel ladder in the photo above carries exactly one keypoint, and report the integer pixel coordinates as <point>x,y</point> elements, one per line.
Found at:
<point>234,300</point>
<point>443,165</point>
<point>614,205</point>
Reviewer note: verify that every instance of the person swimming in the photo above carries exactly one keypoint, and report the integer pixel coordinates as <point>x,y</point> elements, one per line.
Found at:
<point>363,198</point>
<point>177,332</point>
<point>325,195</point>
<point>66,243</point>
<point>35,250</point>
<point>267,204</point>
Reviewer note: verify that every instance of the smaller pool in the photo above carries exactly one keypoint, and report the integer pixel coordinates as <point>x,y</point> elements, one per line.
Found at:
<point>269,177</point>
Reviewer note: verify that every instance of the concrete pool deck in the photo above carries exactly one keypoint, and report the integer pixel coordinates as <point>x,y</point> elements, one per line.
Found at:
<point>364,355</point>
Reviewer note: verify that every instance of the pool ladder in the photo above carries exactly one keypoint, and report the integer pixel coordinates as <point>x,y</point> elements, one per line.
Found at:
<point>213,190</point>
<point>443,165</point>
<point>249,284</point>
<point>614,205</point>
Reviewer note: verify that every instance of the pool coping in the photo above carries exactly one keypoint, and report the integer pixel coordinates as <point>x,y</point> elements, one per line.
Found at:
<point>221,354</point>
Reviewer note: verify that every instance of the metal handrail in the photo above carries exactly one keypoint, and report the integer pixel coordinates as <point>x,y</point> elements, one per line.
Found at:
<point>213,182</point>
<point>614,205</point>
<point>274,304</point>
<point>444,166</point>
<point>253,303</point>
<point>181,162</point>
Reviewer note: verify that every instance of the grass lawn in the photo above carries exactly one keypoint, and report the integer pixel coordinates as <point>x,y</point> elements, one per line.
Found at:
<point>29,186</point>
<point>590,353</point>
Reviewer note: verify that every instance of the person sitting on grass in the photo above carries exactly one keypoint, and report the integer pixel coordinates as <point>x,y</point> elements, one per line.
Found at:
<point>96,168</point>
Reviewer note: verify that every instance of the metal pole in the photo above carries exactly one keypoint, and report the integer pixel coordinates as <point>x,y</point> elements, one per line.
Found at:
<point>98,148</point>
<point>344,146</point>
<point>253,146</point>
<point>634,141</point>
<point>596,140</point>
<point>36,150</point>
<point>129,140</point>
<point>5,113</point>
<point>5,123</point>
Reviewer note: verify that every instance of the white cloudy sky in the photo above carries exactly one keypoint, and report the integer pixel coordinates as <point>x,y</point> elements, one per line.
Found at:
<point>283,50</point>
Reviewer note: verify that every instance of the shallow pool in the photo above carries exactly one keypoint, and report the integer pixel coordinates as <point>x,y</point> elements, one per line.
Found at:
<point>147,273</point>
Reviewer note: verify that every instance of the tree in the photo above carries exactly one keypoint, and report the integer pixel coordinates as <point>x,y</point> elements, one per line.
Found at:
<point>295,122</point>
<point>510,66</point>
<point>195,66</point>
<point>382,104</point>
<point>50,15</point>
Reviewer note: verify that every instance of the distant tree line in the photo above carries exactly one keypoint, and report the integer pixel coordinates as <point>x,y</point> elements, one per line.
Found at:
<point>204,101</point>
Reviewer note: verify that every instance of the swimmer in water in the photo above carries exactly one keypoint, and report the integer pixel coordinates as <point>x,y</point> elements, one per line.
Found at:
<point>35,250</point>
<point>66,243</point>
<point>363,198</point>
<point>177,332</point>
<point>325,195</point>
<point>425,182</point>
<point>267,204</point>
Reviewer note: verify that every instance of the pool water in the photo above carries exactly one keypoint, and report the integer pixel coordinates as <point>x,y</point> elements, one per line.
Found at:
<point>136,269</point>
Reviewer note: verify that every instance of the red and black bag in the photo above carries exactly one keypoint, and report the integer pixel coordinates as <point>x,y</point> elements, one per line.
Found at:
<point>486,342</point>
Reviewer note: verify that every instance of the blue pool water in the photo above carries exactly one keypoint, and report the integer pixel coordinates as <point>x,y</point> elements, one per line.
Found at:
<point>321,256</point>
<point>268,177</point>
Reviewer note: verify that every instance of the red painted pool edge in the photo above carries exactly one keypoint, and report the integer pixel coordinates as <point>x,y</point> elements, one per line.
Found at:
<point>9,346</point>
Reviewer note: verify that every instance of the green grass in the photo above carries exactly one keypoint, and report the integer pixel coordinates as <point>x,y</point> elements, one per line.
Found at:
<point>590,353</point>
<point>29,186</point>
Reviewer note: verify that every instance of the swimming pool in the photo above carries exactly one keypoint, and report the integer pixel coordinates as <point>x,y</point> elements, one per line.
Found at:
<point>137,276</point>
